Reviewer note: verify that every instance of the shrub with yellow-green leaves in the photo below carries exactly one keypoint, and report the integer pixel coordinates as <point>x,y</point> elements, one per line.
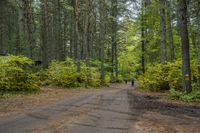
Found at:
<point>94,77</point>
<point>161,77</point>
<point>107,79</point>
<point>174,75</point>
<point>165,76</point>
<point>150,80</point>
<point>43,77</point>
<point>63,74</point>
<point>82,76</point>
<point>195,74</point>
<point>16,74</point>
<point>88,76</point>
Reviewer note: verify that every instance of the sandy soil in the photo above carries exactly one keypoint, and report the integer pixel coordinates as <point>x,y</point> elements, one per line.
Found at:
<point>21,104</point>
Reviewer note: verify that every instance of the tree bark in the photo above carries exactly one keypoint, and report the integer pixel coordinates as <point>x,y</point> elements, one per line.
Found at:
<point>170,33</point>
<point>86,42</point>
<point>2,4</point>
<point>163,41</point>
<point>185,46</point>
<point>29,24</point>
<point>72,35</point>
<point>143,35</point>
<point>101,39</point>
<point>60,45</point>
<point>198,19</point>
<point>114,56</point>
<point>44,33</point>
<point>17,43</point>
<point>77,45</point>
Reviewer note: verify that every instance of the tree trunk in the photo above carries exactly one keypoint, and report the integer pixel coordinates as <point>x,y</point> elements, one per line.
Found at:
<point>1,40</point>
<point>65,37</point>
<point>2,4</point>
<point>86,29</point>
<point>198,19</point>
<point>29,24</point>
<point>114,56</point>
<point>60,47</point>
<point>143,36</point>
<point>170,33</point>
<point>77,46</point>
<point>72,35</point>
<point>163,42</point>
<point>101,38</point>
<point>86,45</point>
<point>44,33</point>
<point>21,27</point>
<point>17,43</point>
<point>185,46</point>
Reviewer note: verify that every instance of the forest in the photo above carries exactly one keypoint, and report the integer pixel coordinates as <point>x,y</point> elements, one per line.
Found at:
<point>92,43</point>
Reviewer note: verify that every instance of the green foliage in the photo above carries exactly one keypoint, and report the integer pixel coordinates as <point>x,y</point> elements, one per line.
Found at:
<point>174,76</point>
<point>82,76</point>
<point>150,80</point>
<point>192,97</point>
<point>15,74</point>
<point>128,64</point>
<point>94,79</point>
<point>120,79</point>
<point>107,79</point>
<point>165,76</point>
<point>43,77</point>
<point>92,73</point>
<point>159,77</point>
<point>64,74</point>
<point>194,70</point>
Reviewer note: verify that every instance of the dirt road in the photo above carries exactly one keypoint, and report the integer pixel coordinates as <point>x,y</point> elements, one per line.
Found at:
<point>115,110</point>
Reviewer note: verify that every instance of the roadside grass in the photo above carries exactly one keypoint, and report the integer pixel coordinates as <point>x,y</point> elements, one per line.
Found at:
<point>182,96</point>
<point>175,95</point>
<point>8,94</point>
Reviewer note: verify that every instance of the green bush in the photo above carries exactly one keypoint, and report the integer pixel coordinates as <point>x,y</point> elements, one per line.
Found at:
<point>120,79</point>
<point>178,95</point>
<point>94,77</point>
<point>92,73</point>
<point>195,74</point>
<point>175,75</point>
<point>82,76</point>
<point>43,77</point>
<point>154,79</point>
<point>165,76</point>
<point>16,74</point>
<point>107,79</point>
<point>161,77</point>
<point>63,73</point>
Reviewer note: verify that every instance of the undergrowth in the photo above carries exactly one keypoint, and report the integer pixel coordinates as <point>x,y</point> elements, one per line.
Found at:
<point>191,97</point>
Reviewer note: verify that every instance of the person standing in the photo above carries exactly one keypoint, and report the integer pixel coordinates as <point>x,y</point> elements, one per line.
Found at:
<point>132,82</point>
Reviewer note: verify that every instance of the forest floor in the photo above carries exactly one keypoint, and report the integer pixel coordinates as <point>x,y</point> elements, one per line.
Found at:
<point>117,109</point>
